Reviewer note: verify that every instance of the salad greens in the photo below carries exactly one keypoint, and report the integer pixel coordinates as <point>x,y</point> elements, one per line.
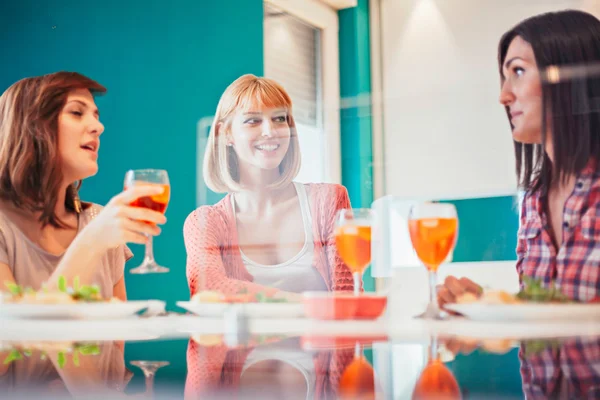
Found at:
<point>534,290</point>
<point>89,293</point>
<point>83,349</point>
<point>534,347</point>
<point>262,297</point>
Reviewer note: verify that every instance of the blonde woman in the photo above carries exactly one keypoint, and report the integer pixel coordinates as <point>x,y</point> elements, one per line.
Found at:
<point>269,234</point>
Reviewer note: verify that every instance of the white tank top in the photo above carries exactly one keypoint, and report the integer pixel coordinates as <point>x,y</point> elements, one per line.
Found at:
<point>297,274</point>
<point>290,354</point>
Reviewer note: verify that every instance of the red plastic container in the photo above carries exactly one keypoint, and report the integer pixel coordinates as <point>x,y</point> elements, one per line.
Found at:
<point>343,305</point>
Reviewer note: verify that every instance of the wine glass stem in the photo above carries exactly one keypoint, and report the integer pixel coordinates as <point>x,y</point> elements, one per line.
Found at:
<point>433,348</point>
<point>150,384</point>
<point>149,254</point>
<point>356,276</point>
<point>433,289</point>
<point>357,350</point>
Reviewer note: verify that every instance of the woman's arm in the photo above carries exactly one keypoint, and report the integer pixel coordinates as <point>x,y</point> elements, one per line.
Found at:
<point>205,268</point>
<point>117,224</point>
<point>119,290</point>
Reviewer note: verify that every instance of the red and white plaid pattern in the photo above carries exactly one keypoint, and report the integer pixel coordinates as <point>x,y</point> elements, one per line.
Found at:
<point>575,268</point>
<point>569,371</point>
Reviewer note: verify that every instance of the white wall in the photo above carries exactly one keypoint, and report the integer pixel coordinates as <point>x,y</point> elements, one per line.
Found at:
<point>445,133</point>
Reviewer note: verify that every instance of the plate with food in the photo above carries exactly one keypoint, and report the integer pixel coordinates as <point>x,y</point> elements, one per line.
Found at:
<point>535,302</point>
<point>38,351</point>
<point>75,302</point>
<point>254,305</point>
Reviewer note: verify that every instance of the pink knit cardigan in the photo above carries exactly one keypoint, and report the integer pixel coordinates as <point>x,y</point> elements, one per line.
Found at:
<point>214,260</point>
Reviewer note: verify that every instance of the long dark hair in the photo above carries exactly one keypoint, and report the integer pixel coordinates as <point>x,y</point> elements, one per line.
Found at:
<point>30,174</point>
<point>566,38</point>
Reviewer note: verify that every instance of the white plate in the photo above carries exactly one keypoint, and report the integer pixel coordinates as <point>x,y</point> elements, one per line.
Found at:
<point>78,310</point>
<point>528,312</point>
<point>253,310</point>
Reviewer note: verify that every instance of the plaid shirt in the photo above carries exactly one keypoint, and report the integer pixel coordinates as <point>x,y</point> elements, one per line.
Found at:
<point>568,371</point>
<point>575,268</point>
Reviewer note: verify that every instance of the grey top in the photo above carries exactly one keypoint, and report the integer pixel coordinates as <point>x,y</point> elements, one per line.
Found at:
<point>31,265</point>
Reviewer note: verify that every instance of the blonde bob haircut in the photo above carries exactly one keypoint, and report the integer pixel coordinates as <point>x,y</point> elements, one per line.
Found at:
<point>221,168</point>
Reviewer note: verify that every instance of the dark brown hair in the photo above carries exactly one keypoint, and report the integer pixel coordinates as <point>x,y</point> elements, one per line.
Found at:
<point>30,168</point>
<point>567,38</point>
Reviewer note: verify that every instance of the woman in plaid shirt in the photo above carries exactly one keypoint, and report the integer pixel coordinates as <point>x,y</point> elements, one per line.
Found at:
<point>550,87</point>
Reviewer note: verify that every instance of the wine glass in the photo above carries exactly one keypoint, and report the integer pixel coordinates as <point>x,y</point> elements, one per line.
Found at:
<point>353,241</point>
<point>157,202</point>
<point>436,380</point>
<point>358,379</point>
<point>149,369</point>
<point>433,229</point>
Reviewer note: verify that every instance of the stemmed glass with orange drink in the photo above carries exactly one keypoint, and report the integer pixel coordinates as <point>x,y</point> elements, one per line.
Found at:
<point>358,379</point>
<point>353,241</point>
<point>436,380</point>
<point>433,229</point>
<point>157,203</point>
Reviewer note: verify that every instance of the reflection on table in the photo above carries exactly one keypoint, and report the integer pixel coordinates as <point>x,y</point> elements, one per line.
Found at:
<point>304,367</point>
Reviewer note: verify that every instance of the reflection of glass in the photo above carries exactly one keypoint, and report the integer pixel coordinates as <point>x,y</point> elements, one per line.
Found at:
<point>149,368</point>
<point>433,229</point>
<point>358,379</point>
<point>157,203</point>
<point>353,241</point>
<point>436,380</point>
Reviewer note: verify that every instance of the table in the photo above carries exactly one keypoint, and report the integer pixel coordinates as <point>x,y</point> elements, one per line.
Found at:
<point>298,358</point>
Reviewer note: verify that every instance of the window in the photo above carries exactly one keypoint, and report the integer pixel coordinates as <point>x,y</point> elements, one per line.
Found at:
<point>300,52</point>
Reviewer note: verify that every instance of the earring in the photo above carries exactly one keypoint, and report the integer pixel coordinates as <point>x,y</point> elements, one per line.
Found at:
<point>76,199</point>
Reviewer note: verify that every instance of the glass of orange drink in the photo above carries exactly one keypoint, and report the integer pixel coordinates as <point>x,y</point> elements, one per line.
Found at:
<point>436,380</point>
<point>358,379</point>
<point>433,229</point>
<point>156,177</point>
<point>353,241</point>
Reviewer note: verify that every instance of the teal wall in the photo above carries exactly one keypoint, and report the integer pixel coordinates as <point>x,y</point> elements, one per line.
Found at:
<point>480,373</point>
<point>355,116</point>
<point>165,64</point>
<point>487,229</point>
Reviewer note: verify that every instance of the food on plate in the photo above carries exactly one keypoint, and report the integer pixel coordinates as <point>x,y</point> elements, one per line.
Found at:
<point>62,295</point>
<point>535,347</point>
<point>207,296</point>
<point>488,297</point>
<point>497,346</point>
<point>467,298</point>
<point>533,291</point>
<point>499,297</point>
<point>208,340</point>
<point>20,351</point>
<point>242,296</point>
<point>214,340</point>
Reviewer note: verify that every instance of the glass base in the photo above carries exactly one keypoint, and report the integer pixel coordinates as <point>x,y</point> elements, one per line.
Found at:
<point>150,366</point>
<point>149,268</point>
<point>432,312</point>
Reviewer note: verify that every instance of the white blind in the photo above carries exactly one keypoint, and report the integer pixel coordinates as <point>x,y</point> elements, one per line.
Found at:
<point>291,56</point>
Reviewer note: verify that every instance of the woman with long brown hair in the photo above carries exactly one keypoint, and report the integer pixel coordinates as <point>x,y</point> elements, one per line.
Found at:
<point>550,95</point>
<point>49,139</point>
